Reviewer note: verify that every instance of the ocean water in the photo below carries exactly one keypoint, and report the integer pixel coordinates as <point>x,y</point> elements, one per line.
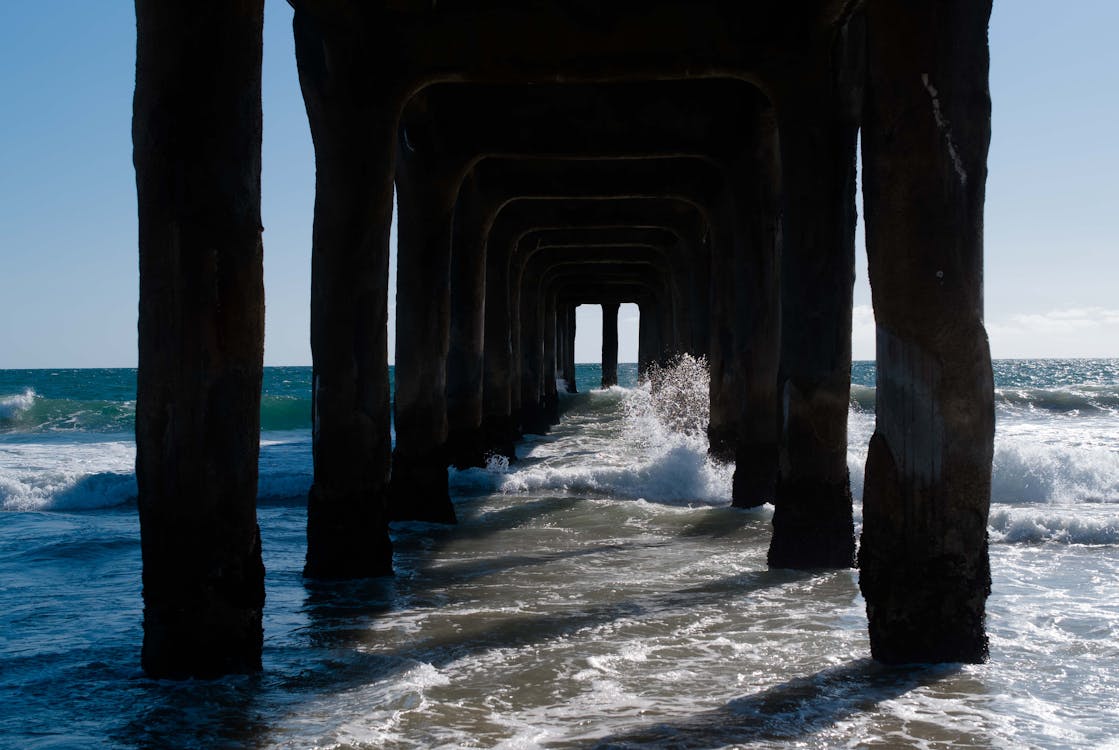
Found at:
<point>598,593</point>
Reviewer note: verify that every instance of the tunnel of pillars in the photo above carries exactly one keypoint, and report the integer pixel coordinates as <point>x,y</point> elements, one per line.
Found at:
<point>695,157</point>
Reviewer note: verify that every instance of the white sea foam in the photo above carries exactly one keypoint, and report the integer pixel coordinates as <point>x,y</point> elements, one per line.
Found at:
<point>1059,524</point>
<point>88,472</point>
<point>12,406</point>
<point>657,451</point>
<point>72,476</point>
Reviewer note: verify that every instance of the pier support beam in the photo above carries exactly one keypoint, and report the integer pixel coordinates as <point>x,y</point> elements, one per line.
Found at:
<point>426,195</point>
<point>569,349</point>
<point>924,562</point>
<point>757,341</point>
<point>609,344</point>
<point>812,520</point>
<point>465,356</point>
<point>196,133</point>
<point>500,419</point>
<point>354,134</point>
<point>725,393</point>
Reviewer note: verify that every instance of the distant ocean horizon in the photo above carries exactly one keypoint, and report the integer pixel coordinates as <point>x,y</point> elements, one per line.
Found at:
<point>599,590</point>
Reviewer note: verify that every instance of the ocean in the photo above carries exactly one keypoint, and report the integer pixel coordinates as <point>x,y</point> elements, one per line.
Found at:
<point>599,592</point>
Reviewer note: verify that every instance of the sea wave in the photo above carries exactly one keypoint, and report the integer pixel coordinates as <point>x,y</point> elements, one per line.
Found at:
<point>29,412</point>
<point>67,491</point>
<point>676,473</point>
<point>1084,399</point>
<point>1061,525</point>
<point>11,407</point>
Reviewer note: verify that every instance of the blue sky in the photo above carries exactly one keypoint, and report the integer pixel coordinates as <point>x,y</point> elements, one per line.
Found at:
<point>68,268</point>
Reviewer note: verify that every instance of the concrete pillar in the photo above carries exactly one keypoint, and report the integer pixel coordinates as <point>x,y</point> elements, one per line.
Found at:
<point>426,195</point>
<point>648,336</point>
<point>196,133</point>
<point>354,135</point>
<point>534,417</point>
<point>465,356</point>
<point>757,341</point>
<point>569,349</point>
<point>699,272</point>
<point>498,426</point>
<point>548,371</point>
<point>609,344</point>
<point>812,524</point>
<point>561,339</point>
<point>924,564</point>
<point>722,428</point>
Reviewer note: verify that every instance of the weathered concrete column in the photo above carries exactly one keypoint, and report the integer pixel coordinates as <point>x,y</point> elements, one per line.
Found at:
<point>812,523</point>
<point>549,392</point>
<point>722,428</point>
<point>426,195</point>
<point>757,341</point>
<point>498,425</point>
<point>609,344</point>
<point>924,563</point>
<point>196,133</point>
<point>569,349</point>
<point>465,356</point>
<point>534,418</point>
<point>561,339</point>
<point>354,132</point>
<point>648,337</point>
<point>699,272</point>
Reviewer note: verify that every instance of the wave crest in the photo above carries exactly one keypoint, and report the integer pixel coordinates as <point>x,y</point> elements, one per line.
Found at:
<point>11,407</point>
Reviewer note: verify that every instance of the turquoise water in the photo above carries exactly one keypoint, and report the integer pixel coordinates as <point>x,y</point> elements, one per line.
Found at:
<point>598,593</point>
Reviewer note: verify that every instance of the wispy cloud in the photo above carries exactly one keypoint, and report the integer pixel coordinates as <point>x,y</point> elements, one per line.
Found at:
<point>1064,332</point>
<point>862,332</point>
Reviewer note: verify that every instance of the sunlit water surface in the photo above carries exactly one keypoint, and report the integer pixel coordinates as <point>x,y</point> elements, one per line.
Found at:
<point>598,593</point>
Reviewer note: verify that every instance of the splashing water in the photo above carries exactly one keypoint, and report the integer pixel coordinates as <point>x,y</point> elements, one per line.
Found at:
<point>645,443</point>
<point>679,395</point>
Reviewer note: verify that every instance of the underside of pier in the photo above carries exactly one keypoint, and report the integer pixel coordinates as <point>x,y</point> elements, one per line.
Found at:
<point>695,157</point>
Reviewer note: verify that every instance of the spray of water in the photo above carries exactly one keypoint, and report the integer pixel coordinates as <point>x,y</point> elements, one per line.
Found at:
<point>678,396</point>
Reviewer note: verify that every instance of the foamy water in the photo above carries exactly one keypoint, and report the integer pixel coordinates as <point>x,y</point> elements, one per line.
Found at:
<point>598,592</point>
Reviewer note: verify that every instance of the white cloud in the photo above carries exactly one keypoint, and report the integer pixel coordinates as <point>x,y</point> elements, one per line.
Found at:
<point>862,332</point>
<point>1068,332</point>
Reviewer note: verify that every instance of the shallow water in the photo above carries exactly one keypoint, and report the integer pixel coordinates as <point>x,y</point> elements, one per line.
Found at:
<point>599,593</point>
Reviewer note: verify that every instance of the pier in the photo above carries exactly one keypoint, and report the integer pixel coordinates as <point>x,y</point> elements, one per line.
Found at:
<point>695,157</point>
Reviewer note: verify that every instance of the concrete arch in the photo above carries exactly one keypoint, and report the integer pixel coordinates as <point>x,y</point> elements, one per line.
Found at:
<point>928,470</point>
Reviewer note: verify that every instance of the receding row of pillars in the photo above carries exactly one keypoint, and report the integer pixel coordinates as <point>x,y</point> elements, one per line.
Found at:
<point>724,208</point>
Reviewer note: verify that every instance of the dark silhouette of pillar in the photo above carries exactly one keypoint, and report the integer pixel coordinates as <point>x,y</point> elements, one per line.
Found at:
<point>354,132</point>
<point>569,349</point>
<point>465,355</point>
<point>725,393</point>
<point>609,344</point>
<point>648,335</point>
<point>498,426</point>
<point>757,339</point>
<point>426,195</point>
<point>812,522</point>
<point>196,133</point>
<point>924,562</point>
<point>534,416</point>
<point>551,346</point>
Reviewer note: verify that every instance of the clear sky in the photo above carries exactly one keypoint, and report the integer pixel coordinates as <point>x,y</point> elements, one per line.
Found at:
<point>68,262</point>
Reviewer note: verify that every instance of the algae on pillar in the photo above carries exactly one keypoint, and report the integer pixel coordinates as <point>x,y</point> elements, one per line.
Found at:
<point>196,133</point>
